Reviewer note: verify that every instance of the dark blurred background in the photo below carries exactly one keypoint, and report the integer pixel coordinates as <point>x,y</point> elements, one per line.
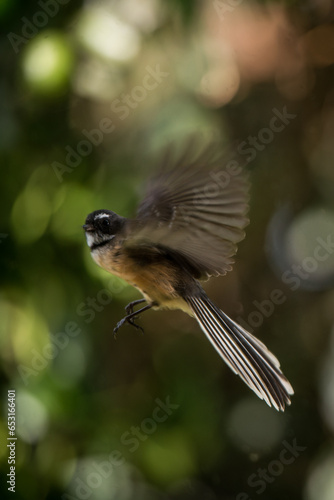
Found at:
<point>90,92</point>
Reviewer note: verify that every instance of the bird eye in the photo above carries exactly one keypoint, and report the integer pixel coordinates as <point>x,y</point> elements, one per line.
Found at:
<point>105,224</point>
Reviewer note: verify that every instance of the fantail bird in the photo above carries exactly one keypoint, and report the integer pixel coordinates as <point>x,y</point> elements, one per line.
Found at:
<point>187,227</point>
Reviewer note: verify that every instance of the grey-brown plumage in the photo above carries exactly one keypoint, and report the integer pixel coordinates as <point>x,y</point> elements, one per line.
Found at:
<point>197,208</point>
<point>187,227</point>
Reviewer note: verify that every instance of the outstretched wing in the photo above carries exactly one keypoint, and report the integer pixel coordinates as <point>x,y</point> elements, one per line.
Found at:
<point>195,208</point>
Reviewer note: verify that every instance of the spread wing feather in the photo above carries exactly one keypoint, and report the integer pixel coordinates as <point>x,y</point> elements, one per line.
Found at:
<point>196,207</point>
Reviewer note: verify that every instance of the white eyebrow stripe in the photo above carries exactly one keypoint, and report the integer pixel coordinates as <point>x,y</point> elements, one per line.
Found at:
<point>101,216</point>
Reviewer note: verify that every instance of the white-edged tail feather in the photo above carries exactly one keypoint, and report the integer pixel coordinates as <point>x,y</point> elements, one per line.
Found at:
<point>245,355</point>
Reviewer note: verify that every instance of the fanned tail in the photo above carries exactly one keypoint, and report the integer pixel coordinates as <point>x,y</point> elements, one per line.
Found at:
<point>245,355</point>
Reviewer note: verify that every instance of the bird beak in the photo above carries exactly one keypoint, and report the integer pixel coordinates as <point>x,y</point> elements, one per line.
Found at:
<point>88,227</point>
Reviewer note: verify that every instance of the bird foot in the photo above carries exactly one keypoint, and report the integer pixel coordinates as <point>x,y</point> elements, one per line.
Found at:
<point>127,319</point>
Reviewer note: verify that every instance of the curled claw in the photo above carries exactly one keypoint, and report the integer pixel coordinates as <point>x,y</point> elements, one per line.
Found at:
<point>129,318</point>
<point>138,327</point>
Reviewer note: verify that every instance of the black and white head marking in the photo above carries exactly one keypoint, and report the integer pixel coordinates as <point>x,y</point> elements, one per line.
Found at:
<point>101,227</point>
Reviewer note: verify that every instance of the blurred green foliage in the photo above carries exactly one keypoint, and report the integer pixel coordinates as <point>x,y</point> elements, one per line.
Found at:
<point>90,93</point>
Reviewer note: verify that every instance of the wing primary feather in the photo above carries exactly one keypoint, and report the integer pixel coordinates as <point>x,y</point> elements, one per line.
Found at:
<point>195,208</point>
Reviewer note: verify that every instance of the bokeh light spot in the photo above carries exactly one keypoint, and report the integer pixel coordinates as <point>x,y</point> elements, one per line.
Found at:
<point>108,36</point>
<point>264,429</point>
<point>169,457</point>
<point>320,483</point>
<point>309,246</point>
<point>30,214</point>
<point>47,62</point>
<point>32,421</point>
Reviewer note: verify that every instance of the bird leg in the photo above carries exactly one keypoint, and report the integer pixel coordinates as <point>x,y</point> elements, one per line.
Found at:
<point>129,318</point>
<point>130,306</point>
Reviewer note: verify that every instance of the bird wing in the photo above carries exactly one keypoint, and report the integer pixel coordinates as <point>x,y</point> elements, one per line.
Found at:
<point>195,209</point>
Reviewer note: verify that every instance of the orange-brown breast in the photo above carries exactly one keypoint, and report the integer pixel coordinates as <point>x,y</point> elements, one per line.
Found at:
<point>156,278</point>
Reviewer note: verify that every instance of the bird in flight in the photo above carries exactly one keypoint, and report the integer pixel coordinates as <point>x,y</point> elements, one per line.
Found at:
<point>186,229</point>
